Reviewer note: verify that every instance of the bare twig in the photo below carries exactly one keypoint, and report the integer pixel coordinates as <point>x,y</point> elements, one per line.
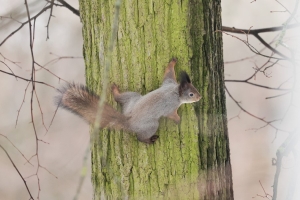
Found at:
<point>25,79</point>
<point>50,15</point>
<point>10,17</point>
<point>267,123</point>
<point>13,62</point>
<point>251,47</point>
<point>255,33</point>
<point>259,69</point>
<point>24,23</point>
<point>7,67</point>
<point>292,14</point>
<point>32,81</point>
<point>43,122</point>
<point>59,78</point>
<point>22,104</point>
<point>237,116</point>
<point>65,4</point>
<point>266,195</point>
<point>52,61</point>
<point>257,85</point>
<point>16,148</point>
<point>243,59</point>
<point>12,162</point>
<point>279,95</point>
<point>52,118</point>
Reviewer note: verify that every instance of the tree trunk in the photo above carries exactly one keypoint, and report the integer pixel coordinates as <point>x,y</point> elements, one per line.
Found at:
<point>190,160</point>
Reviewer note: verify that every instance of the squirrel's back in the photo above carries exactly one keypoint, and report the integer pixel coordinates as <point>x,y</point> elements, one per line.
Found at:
<point>158,103</point>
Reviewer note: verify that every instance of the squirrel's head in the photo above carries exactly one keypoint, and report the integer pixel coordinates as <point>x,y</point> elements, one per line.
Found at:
<point>187,92</point>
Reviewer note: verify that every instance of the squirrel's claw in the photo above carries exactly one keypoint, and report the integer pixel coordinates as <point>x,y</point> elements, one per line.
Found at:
<point>153,138</point>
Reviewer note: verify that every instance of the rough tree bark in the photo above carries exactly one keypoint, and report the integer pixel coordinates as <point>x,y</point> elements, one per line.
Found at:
<point>190,160</point>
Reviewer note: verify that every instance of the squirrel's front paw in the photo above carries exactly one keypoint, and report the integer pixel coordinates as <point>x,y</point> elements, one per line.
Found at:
<point>115,89</point>
<point>153,138</point>
<point>177,120</point>
<point>175,117</point>
<point>174,60</point>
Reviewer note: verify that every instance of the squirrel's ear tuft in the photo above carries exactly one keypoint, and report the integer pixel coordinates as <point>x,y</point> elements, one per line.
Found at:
<point>184,78</point>
<point>184,81</point>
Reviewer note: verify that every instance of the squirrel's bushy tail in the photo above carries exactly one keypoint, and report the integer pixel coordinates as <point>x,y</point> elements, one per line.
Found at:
<point>84,103</point>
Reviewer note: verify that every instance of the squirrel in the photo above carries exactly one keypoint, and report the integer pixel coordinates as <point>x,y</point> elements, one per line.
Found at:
<point>140,114</point>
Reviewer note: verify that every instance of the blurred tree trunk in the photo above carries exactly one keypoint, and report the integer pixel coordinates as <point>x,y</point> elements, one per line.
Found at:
<point>190,160</point>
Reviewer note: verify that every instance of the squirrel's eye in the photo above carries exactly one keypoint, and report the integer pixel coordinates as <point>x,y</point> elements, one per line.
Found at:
<point>191,94</point>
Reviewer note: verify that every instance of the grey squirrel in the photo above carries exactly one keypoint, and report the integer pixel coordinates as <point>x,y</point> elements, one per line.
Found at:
<point>140,114</point>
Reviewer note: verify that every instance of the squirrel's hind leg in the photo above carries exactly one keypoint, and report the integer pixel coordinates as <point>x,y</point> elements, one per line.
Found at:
<point>150,140</point>
<point>125,96</point>
<point>126,99</point>
<point>115,91</point>
<point>146,133</point>
<point>170,72</point>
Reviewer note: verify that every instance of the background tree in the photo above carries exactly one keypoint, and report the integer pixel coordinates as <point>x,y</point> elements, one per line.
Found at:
<point>190,160</point>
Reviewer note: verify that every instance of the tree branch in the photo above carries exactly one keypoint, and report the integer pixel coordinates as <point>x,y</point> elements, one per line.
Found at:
<point>25,79</point>
<point>257,31</point>
<point>12,162</point>
<point>50,15</point>
<point>257,85</point>
<point>24,23</point>
<point>65,4</point>
<point>267,123</point>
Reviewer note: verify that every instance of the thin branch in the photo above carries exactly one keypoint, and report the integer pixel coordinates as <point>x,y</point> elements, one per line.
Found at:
<point>42,114</point>
<point>257,85</point>
<point>285,82</point>
<point>266,195</point>
<point>12,162</point>
<point>52,118</point>
<point>292,15</point>
<point>13,62</point>
<point>257,31</point>
<point>237,116</point>
<point>258,69</point>
<point>65,4</point>
<point>22,104</point>
<point>268,123</point>
<point>245,58</point>
<point>25,79</point>
<point>16,149</point>
<point>24,23</point>
<point>48,171</point>
<point>270,47</point>
<point>32,94</point>
<point>280,95</point>
<point>251,47</point>
<point>52,61</point>
<point>10,17</point>
<point>59,78</point>
<point>7,67</point>
<point>50,15</point>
